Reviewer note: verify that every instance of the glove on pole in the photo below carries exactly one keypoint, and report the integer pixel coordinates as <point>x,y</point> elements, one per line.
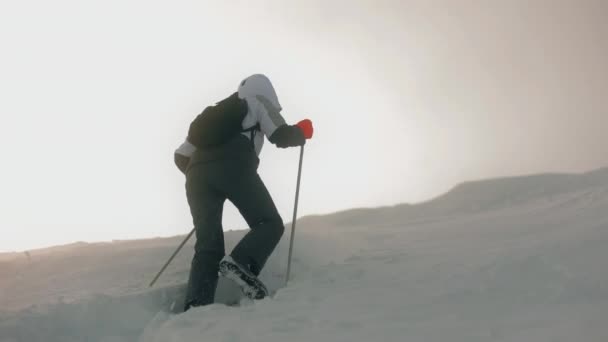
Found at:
<point>171,258</point>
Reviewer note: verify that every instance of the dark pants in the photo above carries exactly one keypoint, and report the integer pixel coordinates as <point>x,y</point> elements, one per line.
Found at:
<point>208,186</point>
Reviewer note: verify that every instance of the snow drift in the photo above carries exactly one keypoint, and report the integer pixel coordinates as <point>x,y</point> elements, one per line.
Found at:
<point>517,259</point>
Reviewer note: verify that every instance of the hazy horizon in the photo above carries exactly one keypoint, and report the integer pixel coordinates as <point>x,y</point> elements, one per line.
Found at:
<point>409,98</point>
<point>314,214</point>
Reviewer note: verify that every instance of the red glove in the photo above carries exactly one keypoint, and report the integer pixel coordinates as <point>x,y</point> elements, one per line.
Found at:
<point>306,127</point>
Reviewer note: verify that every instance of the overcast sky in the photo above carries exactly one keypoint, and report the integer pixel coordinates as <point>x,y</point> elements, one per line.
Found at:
<point>408,98</point>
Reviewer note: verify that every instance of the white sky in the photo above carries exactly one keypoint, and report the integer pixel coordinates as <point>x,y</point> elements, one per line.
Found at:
<point>408,99</point>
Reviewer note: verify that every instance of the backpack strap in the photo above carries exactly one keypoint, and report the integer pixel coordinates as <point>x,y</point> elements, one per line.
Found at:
<point>252,133</point>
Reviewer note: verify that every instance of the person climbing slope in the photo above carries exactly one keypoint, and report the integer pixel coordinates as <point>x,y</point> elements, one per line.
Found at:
<point>220,161</point>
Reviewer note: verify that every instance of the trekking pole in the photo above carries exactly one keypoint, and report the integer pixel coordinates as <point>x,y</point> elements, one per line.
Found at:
<point>295,214</point>
<point>172,256</point>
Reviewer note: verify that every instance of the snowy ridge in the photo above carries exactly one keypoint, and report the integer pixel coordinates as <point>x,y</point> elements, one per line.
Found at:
<point>470,197</point>
<point>529,266</point>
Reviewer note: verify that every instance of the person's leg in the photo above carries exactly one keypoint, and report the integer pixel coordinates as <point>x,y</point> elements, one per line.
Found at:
<point>206,206</point>
<point>251,198</point>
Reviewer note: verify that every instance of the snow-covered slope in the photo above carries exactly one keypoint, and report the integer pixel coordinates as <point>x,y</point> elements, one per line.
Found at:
<point>519,259</point>
<point>468,198</point>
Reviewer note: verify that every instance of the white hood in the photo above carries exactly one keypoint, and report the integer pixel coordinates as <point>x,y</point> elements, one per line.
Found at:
<point>259,85</point>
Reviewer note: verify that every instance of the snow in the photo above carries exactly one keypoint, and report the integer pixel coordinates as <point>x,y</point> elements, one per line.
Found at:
<point>520,259</point>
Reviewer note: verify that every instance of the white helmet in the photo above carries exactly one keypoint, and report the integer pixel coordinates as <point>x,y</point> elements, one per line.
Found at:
<point>259,85</point>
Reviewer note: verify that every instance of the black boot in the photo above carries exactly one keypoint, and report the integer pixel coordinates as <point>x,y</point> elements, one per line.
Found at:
<point>251,286</point>
<point>204,296</point>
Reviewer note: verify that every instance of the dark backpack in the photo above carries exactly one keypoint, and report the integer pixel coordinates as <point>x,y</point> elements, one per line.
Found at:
<point>218,124</point>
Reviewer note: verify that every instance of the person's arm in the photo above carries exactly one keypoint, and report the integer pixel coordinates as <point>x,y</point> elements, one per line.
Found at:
<point>273,125</point>
<point>287,136</point>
